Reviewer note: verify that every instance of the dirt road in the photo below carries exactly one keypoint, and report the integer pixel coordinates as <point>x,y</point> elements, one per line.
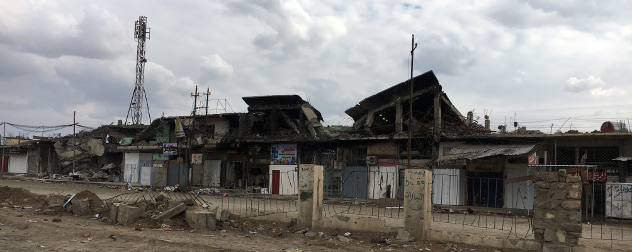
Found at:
<point>28,229</point>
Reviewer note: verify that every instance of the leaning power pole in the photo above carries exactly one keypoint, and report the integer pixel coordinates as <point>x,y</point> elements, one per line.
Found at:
<point>410,101</point>
<point>135,112</point>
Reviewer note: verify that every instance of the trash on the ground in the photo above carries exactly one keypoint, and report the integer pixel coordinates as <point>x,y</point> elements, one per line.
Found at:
<point>253,232</point>
<point>112,237</point>
<point>347,234</point>
<point>56,220</point>
<point>1,224</point>
<point>138,229</point>
<point>86,235</point>
<point>96,217</point>
<point>27,207</point>
<point>73,240</point>
<point>164,229</point>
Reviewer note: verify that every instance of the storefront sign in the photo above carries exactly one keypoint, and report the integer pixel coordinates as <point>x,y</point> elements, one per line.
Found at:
<point>533,159</point>
<point>170,149</point>
<point>283,154</point>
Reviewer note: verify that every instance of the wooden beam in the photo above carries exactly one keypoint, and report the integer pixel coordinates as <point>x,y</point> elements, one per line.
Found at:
<point>288,121</point>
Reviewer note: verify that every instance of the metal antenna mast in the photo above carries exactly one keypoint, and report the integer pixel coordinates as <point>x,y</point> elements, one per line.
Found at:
<point>141,32</point>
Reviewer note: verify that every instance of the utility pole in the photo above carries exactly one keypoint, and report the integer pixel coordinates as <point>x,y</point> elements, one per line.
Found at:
<point>4,142</point>
<point>410,101</point>
<point>208,93</point>
<point>74,141</point>
<point>195,107</point>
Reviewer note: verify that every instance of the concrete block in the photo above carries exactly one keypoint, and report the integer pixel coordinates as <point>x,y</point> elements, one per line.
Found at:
<point>171,212</point>
<point>81,207</point>
<point>56,202</point>
<point>114,209</point>
<point>127,214</point>
<point>211,222</point>
<point>196,218</point>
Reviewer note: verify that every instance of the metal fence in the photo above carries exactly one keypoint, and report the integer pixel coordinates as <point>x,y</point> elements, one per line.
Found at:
<point>368,191</point>
<point>507,223</point>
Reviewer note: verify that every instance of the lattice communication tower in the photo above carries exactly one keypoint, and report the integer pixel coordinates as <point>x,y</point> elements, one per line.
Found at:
<point>135,112</point>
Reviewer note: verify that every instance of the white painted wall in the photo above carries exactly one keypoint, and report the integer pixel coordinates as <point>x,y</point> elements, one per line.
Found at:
<point>448,187</point>
<point>211,172</point>
<point>379,178</point>
<point>519,194</point>
<point>288,181</point>
<point>18,163</point>
<point>131,172</point>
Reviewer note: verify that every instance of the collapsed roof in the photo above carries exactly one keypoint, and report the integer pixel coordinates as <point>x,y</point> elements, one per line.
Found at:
<point>388,111</point>
<point>283,115</point>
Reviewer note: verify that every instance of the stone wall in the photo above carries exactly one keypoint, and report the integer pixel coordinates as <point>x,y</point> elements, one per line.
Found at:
<point>557,210</point>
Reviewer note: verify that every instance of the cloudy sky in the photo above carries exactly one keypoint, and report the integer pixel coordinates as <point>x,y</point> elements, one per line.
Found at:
<point>535,62</point>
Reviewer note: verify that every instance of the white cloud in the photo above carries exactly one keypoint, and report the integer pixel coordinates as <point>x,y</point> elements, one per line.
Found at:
<point>594,85</point>
<point>214,67</point>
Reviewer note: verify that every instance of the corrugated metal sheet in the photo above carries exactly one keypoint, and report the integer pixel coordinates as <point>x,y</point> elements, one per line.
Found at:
<point>480,151</point>
<point>623,159</point>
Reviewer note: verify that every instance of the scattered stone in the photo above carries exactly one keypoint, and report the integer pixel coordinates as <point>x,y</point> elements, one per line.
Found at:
<point>378,240</point>
<point>291,224</point>
<point>311,234</point>
<point>282,234</point>
<point>403,235</point>
<point>56,220</point>
<point>138,229</point>
<point>344,239</point>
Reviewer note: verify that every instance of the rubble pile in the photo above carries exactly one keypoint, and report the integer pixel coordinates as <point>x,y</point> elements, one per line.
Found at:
<point>84,151</point>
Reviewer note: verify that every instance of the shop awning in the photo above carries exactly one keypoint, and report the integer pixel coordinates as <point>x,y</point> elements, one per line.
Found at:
<point>471,152</point>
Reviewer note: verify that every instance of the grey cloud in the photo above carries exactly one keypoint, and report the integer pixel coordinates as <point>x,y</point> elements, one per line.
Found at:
<point>294,29</point>
<point>214,68</point>
<point>94,34</point>
<point>437,53</point>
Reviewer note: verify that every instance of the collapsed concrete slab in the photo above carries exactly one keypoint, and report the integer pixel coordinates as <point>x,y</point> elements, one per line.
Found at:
<point>127,214</point>
<point>171,212</point>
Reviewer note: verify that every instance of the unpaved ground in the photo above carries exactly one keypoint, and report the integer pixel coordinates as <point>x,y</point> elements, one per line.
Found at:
<point>30,230</point>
